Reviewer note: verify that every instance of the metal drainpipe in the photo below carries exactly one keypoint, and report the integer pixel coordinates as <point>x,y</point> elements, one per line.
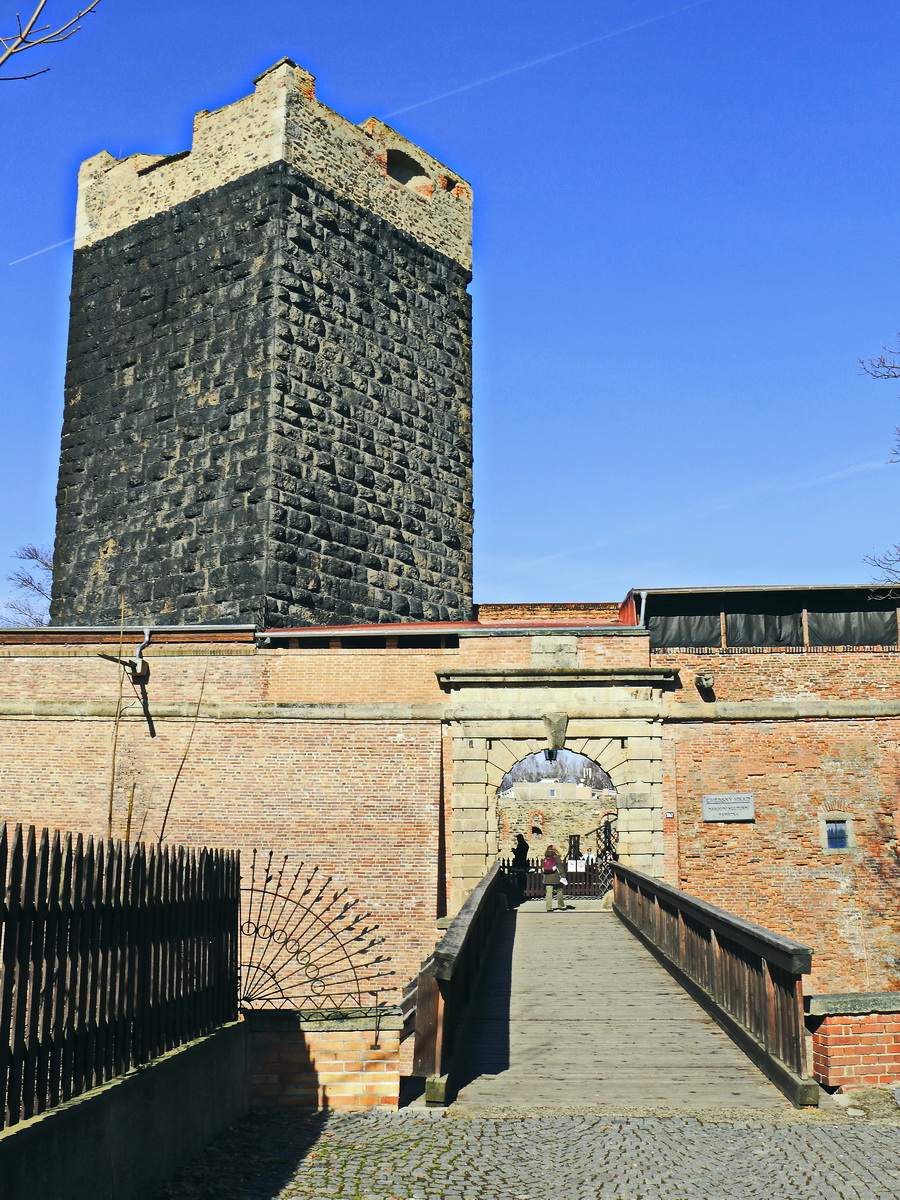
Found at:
<point>642,624</point>
<point>139,664</point>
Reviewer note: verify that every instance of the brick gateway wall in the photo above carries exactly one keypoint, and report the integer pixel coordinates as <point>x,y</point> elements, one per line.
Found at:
<point>300,1062</point>
<point>355,759</point>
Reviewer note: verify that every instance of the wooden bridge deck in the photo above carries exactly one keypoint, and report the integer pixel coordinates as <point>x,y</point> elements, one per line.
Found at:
<point>574,1011</point>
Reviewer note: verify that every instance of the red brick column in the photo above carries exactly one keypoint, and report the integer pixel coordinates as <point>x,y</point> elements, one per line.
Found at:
<point>856,1049</point>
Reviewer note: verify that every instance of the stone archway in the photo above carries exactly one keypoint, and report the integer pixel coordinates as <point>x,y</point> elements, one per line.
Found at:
<point>484,750</point>
<point>548,799</point>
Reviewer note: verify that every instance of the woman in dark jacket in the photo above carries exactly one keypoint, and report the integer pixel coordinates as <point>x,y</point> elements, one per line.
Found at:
<point>519,868</point>
<point>553,879</point>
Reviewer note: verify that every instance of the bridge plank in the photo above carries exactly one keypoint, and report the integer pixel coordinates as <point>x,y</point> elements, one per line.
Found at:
<point>575,1011</point>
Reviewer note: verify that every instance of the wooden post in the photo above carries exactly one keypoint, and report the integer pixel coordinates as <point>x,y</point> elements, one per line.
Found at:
<point>716,967</point>
<point>429,1023</point>
<point>801,1065</point>
<point>772,1039</point>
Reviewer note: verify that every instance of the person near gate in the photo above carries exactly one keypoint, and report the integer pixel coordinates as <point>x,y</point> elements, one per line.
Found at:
<point>519,868</point>
<point>554,880</point>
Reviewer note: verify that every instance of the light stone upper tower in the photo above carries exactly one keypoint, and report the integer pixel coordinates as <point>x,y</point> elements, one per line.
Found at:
<point>268,396</point>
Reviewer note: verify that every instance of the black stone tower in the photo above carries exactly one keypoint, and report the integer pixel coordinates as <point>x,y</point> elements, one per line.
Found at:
<point>268,397</point>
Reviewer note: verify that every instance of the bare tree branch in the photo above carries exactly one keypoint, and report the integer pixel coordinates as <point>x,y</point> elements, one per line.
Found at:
<point>33,608</point>
<point>31,35</point>
<point>886,365</point>
<point>888,564</point>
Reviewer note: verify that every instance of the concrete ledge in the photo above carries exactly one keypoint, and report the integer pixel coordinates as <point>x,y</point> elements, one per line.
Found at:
<point>125,1140</point>
<point>224,711</point>
<point>854,1002</point>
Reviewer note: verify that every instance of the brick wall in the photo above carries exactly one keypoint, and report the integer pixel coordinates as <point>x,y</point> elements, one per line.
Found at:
<point>808,672</point>
<point>296,1063</point>
<point>775,870</point>
<point>606,613</point>
<point>358,801</point>
<point>345,787</point>
<point>857,1050</point>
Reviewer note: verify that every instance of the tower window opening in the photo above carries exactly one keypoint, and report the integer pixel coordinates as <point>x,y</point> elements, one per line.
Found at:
<point>406,170</point>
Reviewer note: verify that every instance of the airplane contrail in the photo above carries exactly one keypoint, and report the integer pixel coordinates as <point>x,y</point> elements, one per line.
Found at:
<point>536,62</point>
<point>55,246</point>
<point>724,500</point>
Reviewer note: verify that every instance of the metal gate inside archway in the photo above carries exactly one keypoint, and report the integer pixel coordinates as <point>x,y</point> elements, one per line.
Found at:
<point>563,800</point>
<point>588,873</point>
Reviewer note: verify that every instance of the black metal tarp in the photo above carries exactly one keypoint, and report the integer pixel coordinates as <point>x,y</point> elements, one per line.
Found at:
<point>870,628</point>
<point>836,617</point>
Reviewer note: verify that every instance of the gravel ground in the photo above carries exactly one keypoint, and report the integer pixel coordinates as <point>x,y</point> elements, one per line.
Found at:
<point>551,1155</point>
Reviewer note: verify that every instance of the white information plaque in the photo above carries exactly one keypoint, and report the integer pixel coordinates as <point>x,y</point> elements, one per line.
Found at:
<point>729,806</point>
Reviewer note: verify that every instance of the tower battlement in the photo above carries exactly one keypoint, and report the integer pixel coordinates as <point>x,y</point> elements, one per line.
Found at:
<point>281,120</point>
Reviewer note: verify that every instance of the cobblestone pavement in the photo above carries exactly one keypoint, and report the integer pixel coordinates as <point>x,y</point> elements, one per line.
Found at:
<point>423,1155</point>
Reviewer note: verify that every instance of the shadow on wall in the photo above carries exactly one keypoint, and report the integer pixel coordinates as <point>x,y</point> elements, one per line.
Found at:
<point>257,1157</point>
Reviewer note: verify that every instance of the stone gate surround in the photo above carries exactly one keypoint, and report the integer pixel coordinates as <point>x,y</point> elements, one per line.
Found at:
<point>496,718</point>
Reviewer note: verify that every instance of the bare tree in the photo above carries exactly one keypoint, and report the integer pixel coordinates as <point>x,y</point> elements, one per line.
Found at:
<point>886,366</point>
<point>32,608</point>
<point>31,35</point>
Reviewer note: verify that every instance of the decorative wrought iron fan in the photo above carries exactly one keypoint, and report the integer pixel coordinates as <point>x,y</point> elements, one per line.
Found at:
<point>304,945</point>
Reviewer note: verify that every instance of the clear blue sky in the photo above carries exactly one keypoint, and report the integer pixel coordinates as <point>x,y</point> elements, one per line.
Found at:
<point>685,237</point>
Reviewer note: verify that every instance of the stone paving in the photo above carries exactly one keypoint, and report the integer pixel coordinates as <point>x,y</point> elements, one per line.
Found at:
<point>682,1115</point>
<point>414,1155</point>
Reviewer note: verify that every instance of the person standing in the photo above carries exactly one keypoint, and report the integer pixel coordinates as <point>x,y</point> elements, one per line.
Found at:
<point>519,868</point>
<point>554,880</point>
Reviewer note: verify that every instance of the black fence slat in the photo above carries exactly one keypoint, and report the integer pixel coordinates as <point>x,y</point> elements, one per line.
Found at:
<point>45,1084</point>
<point>19,981</point>
<point>36,978</point>
<point>110,954</point>
<point>73,964</point>
<point>12,907</point>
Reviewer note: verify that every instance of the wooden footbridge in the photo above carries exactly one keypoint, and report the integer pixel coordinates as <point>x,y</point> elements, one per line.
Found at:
<point>662,1001</point>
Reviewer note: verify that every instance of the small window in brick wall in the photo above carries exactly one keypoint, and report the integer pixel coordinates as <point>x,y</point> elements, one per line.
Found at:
<point>836,832</point>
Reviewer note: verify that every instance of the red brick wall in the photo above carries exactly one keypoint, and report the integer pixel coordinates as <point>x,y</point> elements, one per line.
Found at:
<point>774,871</point>
<point>857,1050</point>
<point>362,799</point>
<point>359,800</point>
<point>804,673</point>
<point>310,1068</point>
<point>598,613</point>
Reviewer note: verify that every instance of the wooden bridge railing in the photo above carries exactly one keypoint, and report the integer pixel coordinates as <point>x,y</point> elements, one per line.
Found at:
<point>446,983</point>
<point>748,979</point>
